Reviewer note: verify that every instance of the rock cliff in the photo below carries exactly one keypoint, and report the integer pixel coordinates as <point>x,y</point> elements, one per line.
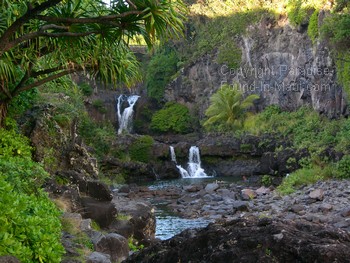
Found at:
<point>278,62</point>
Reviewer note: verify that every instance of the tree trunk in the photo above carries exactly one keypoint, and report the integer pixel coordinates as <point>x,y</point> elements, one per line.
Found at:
<point>3,112</point>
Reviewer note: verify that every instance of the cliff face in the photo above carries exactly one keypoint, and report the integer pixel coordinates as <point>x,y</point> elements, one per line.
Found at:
<point>278,62</point>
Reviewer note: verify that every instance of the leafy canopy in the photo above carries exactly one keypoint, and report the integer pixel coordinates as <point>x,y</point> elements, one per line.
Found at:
<point>42,40</point>
<point>228,108</point>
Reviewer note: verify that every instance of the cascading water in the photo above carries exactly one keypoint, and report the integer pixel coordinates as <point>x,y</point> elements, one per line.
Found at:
<point>194,169</point>
<point>172,154</point>
<point>125,116</point>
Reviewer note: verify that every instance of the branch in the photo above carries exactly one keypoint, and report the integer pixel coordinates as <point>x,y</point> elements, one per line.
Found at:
<point>82,20</point>
<point>31,13</point>
<point>44,80</point>
<point>37,34</point>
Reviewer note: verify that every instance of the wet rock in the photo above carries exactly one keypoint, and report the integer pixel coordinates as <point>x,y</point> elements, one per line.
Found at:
<point>248,194</point>
<point>114,245</point>
<point>210,188</point>
<point>97,257</point>
<point>317,194</point>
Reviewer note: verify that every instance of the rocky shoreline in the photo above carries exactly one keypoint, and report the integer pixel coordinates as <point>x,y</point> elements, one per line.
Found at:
<point>317,216</point>
<point>324,202</point>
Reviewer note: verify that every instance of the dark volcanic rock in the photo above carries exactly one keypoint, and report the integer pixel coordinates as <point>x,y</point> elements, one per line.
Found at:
<point>253,241</point>
<point>103,212</point>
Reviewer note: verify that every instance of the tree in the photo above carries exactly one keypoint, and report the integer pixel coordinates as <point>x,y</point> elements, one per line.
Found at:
<point>228,109</point>
<point>42,40</point>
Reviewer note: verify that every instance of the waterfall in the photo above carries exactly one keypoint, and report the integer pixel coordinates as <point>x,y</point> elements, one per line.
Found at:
<point>194,169</point>
<point>125,116</point>
<point>172,154</point>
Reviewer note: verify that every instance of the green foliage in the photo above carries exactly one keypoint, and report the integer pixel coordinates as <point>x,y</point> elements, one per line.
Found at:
<point>99,106</point>
<point>230,54</point>
<point>305,128</point>
<point>343,167</point>
<point>266,180</point>
<point>303,177</point>
<point>228,109</point>
<point>160,70</point>
<point>312,29</point>
<point>29,225</point>
<point>140,150</point>
<point>173,118</point>
<point>86,89</point>
<point>134,245</point>
<point>297,12</point>
<point>97,48</point>
<point>342,61</point>
<point>22,102</point>
<point>100,136</point>
<point>12,144</point>
<point>337,28</point>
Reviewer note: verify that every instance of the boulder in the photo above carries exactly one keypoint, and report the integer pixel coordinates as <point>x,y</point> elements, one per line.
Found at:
<point>97,257</point>
<point>210,188</point>
<point>112,244</point>
<point>99,191</point>
<point>248,194</point>
<point>140,217</point>
<point>103,212</point>
<point>317,194</point>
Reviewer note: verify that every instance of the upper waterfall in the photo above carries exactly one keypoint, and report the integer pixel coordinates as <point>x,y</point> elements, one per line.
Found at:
<point>125,116</point>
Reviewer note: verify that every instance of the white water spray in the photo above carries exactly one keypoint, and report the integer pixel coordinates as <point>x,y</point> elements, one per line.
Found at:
<point>172,154</point>
<point>194,169</point>
<point>125,117</point>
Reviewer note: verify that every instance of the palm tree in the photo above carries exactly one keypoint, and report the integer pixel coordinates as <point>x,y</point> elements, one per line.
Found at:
<point>228,108</point>
<point>42,40</point>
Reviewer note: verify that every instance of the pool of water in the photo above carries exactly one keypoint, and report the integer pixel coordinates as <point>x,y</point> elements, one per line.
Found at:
<point>169,224</point>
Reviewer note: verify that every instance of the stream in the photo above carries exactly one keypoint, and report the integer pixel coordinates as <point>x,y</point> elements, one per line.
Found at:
<point>168,223</point>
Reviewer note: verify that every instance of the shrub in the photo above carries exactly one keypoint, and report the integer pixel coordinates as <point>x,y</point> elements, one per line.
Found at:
<point>230,54</point>
<point>140,150</point>
<point>13,144</point>
<point>29,222</point>
<point>312,29</point>
<point>299,11</point>
<point>159,72</point>
<point>173,117</point>
<point>337,28</point>
<point>86,89</point>
<point>99,106</point>
<point>343,167</point>
<point>266,180</point>
<point>303,177</point>
<point>100,136</point>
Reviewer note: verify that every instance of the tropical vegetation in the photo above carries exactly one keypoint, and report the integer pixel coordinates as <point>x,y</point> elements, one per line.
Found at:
<point>228,108</point>
<point>41,41</point>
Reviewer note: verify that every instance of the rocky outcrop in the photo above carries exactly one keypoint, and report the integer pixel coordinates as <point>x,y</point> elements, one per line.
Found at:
<point>242,240</point>
<point>279,63</point>
<point>135,219</point>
